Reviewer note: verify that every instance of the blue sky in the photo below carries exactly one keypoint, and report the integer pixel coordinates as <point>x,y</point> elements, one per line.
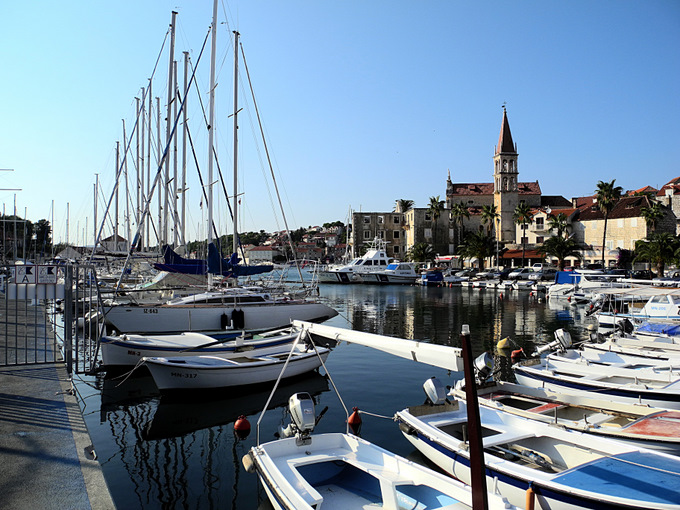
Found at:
<point>363,102</point>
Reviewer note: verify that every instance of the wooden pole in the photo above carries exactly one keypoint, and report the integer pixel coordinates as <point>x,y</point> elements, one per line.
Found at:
<point>476,448</point>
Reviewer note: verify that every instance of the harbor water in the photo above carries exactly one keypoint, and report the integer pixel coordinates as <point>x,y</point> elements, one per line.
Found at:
<point>181,452</point>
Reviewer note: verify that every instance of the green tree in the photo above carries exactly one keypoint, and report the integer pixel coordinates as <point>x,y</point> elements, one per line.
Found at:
<point>458,213</point>
<point>478,244</point>
<point>435,209</point>
<point>522,216</point>
<point>560,248</point>
<point>653,214</point>
<point>43,236</point>
<point>489,215</point>
<point>421,252</point>
<point>607,194</point>
<point>559,223</point>
<point>404,205</point>
<point>658,249</point>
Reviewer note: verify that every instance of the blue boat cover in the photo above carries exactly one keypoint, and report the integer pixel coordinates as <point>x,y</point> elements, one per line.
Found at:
<point>230,266</point>
<point>174,263</point>
<point>660,328</point>
<point>567,277</point>
<point>635,475</point>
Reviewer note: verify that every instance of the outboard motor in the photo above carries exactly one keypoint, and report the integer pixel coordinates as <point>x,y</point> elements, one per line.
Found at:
<point>303,418</point>
<point>435,391</point>
<point>561,343</point>
<point>483,365</point>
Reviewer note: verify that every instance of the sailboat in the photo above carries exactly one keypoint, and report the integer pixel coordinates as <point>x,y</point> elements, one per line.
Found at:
<point>229,309</point>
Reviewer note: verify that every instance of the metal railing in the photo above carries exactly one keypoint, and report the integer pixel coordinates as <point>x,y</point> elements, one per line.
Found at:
<point>49,314</point>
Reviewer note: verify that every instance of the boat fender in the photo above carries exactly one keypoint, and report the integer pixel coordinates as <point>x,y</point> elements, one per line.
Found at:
<point>242,427</point>
<point>354,421</point>
<point>407,429</point>
<point>517,355</point>
<point>224,321</point>
<point>238,318</point>
<point>530,497</point>
<point>248,462</point>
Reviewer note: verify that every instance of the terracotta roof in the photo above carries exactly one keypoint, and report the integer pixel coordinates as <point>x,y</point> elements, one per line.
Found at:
<point>486,188</point>
<point>583,201</point>
<point>263,248</point>
<point>555,201</point>
<point>627,207</point>
<point>646,189</point>
<point>505,144</point>
<point>673,184</point>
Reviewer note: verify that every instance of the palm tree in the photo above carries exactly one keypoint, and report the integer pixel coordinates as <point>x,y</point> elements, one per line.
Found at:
<point>458,213</point>
<point>558,223</point>
<point>607,195</point>
<point>420,252</point>
<point>404,205</point>
<point>521,216</point>
<point>560,248</point>
<point>657,249</point>
<point>489,216</point>
<point>435,209</point>
<point>478,244</point>
<point>653,214</point>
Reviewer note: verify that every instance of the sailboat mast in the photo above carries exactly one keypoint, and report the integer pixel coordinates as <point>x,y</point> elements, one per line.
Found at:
<point>168,127</point>
<point>211,127</point>
<point>235,243</point>
<point>184,150</point>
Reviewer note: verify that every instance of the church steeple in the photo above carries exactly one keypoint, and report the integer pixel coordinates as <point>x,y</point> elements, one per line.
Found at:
<point>505,181</point>
<point>505,145</point>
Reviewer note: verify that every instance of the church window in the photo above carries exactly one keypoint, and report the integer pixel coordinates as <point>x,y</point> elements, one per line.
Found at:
<point>505,164</point>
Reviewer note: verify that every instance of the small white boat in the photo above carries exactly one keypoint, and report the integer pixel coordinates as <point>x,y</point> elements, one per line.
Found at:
<point>634,423</point>
<point>210,372</point>
<point>565,470</point>
<point>643,386</point>
<point>345,472</point>
<point>403,273</point>
<point>127,350</point>
<point>613,352</point>
<point>661,304</point>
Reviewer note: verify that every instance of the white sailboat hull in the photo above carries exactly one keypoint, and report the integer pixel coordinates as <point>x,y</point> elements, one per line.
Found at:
<point>179,318</point>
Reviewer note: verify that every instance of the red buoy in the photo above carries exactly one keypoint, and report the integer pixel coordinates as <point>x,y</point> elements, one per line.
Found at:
<point>501,296</point>
<point>354,421</point>
<point>516,355</point>
<point>242,427</point>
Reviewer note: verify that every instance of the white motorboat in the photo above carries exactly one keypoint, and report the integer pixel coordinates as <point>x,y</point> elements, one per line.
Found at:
<point>403,273</point>
<point>375,259</point>
<point>562,469</point>
<point>661,304</point>
<point>584,281</point>
<point>217,312</point>
<point>127,350</point>
<point>613,352</point>
<point>212,372</point>
<point>634,423</point>
<point>344,472</point>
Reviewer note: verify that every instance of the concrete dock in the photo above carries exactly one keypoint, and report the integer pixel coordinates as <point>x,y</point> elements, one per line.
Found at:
<point>46,458</point>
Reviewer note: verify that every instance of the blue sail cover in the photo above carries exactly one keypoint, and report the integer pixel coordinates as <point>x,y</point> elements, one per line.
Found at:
<point>230,266</point>
<point>174,263</point>
<point>659,328</point>
<point>567,277</point>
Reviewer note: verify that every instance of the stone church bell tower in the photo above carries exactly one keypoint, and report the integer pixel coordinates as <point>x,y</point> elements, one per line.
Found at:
<point>505,179</point>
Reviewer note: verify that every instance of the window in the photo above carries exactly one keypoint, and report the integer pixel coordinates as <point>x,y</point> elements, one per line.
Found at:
<point>451,233</point>
<point>428,232</point>
<point>539,223</point>
<point>381,234</point>
<point>396,249</point>
<point>610,245</point>
<point>396,220</point>
<point>395,234</point>
<point>428,217</point>
<point>524,240</point>
<point>633,222</point>
<point>539,239</point>
<point>367,219</point>
<point>381,219</point>
<point>367,234</point>
<point>619,223</point>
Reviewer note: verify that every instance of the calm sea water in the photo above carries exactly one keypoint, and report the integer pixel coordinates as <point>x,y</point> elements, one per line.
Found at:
<point>182,453</point>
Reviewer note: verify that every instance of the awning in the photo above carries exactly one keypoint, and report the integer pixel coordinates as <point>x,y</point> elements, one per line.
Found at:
<point>517,254</point>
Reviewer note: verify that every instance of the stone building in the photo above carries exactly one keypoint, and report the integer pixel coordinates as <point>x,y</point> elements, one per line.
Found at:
<point>669,195</point>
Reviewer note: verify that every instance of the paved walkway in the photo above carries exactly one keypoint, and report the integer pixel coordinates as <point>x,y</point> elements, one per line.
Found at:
<point>45,449</point>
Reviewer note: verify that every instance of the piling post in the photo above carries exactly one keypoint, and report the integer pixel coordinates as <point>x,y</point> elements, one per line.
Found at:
<point>476,448</point>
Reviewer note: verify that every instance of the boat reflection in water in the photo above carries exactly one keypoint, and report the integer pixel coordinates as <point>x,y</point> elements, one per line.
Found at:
<point>182,452</point>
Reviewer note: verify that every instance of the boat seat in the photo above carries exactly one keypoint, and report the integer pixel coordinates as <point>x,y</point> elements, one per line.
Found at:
<point>506,437</point>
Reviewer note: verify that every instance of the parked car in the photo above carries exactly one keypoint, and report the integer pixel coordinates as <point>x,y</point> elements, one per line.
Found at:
<point>545,274</point>
<point>643,274</point>
<point>520,273</point>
